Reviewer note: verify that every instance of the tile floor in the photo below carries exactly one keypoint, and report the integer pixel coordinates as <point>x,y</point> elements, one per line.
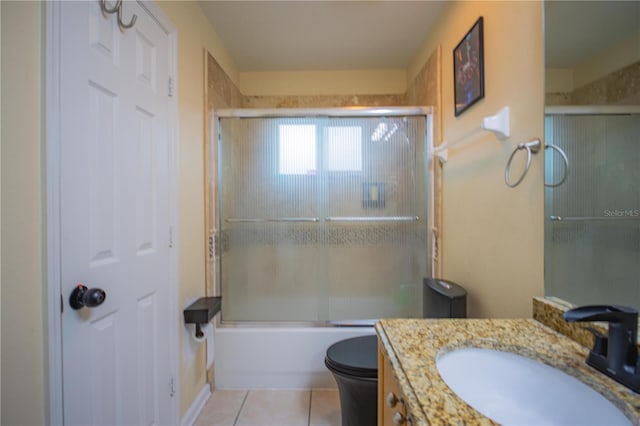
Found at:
<point>315,407</point>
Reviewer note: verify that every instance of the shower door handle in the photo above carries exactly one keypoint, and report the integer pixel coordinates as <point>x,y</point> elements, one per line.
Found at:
<point>372,218</point>
<point>271,220</point>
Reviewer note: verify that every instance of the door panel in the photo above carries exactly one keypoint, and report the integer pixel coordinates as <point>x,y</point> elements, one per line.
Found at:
<point>115,216</point>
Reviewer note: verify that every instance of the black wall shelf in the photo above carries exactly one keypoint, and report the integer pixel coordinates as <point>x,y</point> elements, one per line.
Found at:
<point>202,311</point>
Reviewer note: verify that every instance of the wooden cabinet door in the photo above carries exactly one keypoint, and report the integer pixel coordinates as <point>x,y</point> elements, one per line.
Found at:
<point>387,384</point>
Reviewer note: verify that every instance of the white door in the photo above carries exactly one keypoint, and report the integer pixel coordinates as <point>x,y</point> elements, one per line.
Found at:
<point>115,216</point>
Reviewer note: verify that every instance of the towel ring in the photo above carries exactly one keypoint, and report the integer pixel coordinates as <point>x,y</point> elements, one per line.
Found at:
<point>566,165</point>
<point>532,147</point>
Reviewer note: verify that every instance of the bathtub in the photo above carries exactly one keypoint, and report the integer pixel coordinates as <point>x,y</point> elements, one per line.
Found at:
<point>276,358</point>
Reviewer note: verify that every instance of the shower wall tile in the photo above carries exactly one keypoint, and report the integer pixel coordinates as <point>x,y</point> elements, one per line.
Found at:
<point>622,86</point>
<point>321,101</point>
<point>557,98</point>
<point>619,87</point>
<point>425,89</point>
<point>223,93</point>
<point>353,235</point>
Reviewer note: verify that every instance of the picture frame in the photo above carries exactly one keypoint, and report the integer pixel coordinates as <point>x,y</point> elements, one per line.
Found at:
<point>468,68</point>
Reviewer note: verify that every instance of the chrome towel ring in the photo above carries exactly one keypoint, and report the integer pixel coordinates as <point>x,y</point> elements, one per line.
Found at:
<point>566,165</point>
<point>532,147</point>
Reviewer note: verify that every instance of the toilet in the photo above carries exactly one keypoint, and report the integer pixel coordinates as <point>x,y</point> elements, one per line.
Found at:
<point>354,362</point>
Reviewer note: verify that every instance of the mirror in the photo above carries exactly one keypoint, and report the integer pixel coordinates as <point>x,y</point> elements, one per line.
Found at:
<point>592,218</point>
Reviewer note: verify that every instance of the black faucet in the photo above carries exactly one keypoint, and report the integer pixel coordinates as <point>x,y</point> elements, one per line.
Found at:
<point>616,355</point>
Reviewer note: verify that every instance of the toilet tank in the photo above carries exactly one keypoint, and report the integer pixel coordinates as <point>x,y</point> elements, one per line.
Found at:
<point>443,299</point>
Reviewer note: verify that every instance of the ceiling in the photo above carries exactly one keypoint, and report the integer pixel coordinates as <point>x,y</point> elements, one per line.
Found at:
<point>321,35</point>
<point>382,34</point>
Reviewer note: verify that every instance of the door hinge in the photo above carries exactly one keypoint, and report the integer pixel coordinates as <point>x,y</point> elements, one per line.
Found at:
<point>172,387</point>
<point>170,237</point>
<point>211,244</point>
<point>170,87</point>
<point>61,303</point>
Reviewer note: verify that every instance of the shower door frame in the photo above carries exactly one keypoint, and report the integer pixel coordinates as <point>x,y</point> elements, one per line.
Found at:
<point>345,112</point>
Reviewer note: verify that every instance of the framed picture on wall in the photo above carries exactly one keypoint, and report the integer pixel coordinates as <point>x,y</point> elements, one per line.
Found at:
<point>468,68</point>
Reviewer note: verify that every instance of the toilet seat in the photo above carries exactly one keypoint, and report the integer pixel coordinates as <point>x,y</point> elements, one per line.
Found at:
<point>356,357</point>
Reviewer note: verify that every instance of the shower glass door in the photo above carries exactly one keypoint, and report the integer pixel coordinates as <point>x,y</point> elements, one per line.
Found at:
<point>321,219</point>
<point>592,220</point>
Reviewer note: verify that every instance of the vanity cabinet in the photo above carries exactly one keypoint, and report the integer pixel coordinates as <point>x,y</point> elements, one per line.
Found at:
<point>392,410</point>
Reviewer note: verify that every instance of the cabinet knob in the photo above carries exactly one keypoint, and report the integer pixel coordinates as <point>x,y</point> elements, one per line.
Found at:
<point>399,418</point>
<point>391,400</point>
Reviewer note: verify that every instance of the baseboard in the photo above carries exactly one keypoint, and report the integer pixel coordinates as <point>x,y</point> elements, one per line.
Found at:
<point>196,407</point>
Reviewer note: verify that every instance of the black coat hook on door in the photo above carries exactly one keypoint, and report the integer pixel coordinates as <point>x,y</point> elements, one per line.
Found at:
<point>117,8</point>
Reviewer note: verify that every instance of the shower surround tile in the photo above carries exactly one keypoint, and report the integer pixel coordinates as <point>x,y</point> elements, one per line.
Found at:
<point>619,87</point>
<point>221,91</point>
<point>321,101</point>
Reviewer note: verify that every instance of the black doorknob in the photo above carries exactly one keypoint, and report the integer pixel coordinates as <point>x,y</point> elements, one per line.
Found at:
<point>82,296</point>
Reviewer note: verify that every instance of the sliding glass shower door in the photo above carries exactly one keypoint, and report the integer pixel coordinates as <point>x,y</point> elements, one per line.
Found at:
<point>322,219</point>
<point>592,226</point>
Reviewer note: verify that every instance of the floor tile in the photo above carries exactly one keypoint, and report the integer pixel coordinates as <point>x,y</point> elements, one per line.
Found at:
<point>275,408</point>
<point>325,408</point>
<point>222,408</point>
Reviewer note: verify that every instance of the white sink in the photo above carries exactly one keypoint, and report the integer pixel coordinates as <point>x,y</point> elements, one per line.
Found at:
<point>514,390</point>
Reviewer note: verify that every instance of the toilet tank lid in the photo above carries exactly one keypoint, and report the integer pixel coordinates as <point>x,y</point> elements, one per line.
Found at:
<point>446,288</point>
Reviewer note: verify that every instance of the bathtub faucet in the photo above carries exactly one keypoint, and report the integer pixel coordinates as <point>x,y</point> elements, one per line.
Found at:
<point>615,355</point>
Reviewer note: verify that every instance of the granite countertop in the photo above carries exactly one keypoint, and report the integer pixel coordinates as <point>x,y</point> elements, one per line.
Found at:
<point>413,344</point>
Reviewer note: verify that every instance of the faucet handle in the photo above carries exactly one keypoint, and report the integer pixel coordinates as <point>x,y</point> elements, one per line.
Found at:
<point>600,341</point>
<point>608,313</point>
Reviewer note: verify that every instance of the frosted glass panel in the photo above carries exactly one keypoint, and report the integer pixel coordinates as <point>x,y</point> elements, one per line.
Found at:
<point>377,252</point>
<point>322,219</point>
<point>344,149</point>
<point>592,249</point>
<point>297,149</point>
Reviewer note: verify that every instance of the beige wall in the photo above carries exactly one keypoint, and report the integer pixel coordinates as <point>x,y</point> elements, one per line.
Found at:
<point>195,34</point>
<point>604,63</point>
<point>608,77</point>
<point>23,358</point>
<point>600,65</point>
<point>493,238</point>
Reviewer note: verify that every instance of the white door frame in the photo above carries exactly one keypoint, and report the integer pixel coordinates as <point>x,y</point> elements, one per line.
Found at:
<point>54,297</point>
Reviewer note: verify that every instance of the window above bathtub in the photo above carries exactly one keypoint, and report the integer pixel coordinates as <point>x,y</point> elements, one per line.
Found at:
<point>303,149</point>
